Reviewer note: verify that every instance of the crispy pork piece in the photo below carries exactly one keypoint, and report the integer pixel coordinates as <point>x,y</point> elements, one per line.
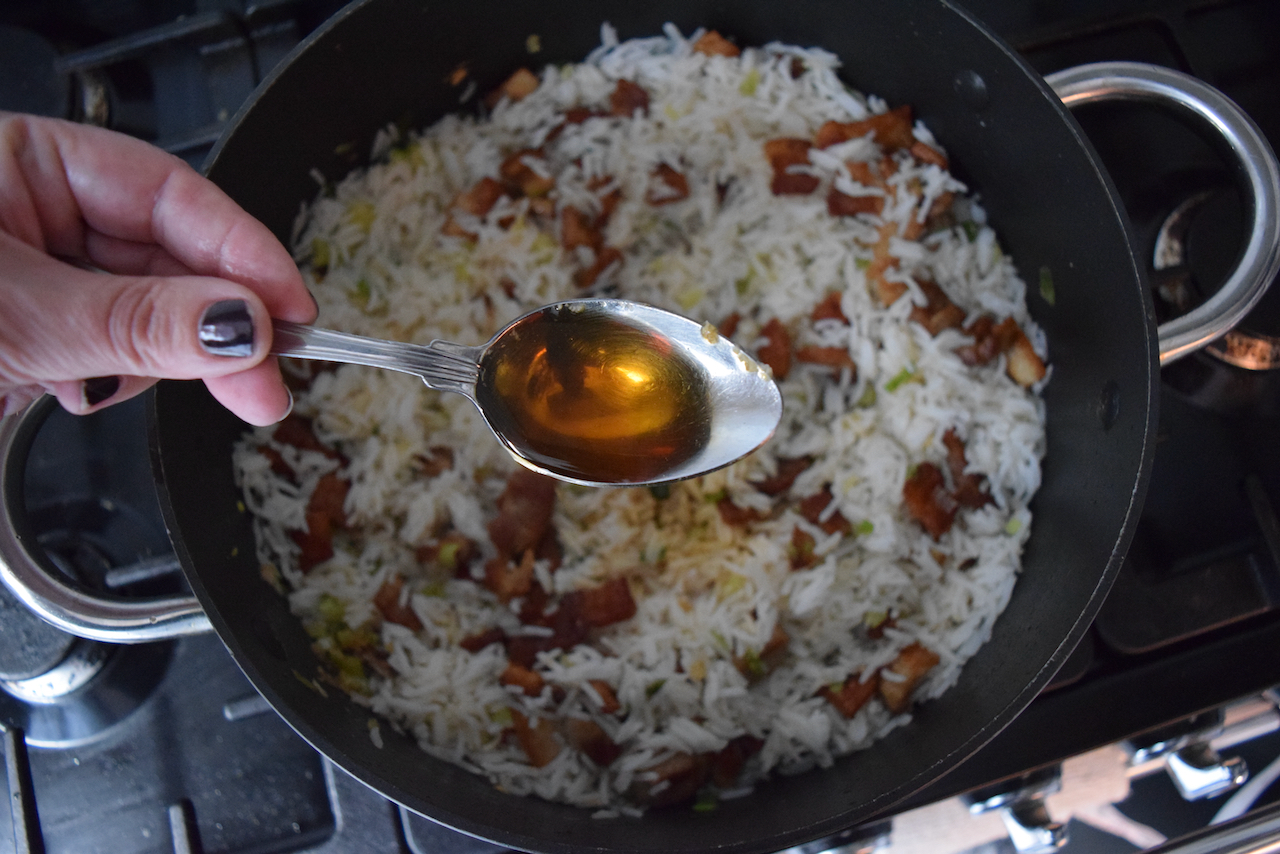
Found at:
<point>510,578</point>
<point>298,431</point>
<point>800,553</point>
<point>591,739</point>
<point>608,202</point>
<point>991,339</point>
<point>524,512</point>
<point>608,697</point>
<point>840,203</point>
<point>985,346</point>
<point>712,43</point>
<point>538,741</point>
<point>789,468</point>
<point>969,488</point>
<point>578,115</point>
<point>672,781</point>
<point>734,516</point>
<point>453,552</point>
<point>578,229</point>
<point>843,204</point>
<point>926,153</point>
<point>626,98</point>
<point>837,358</point>
<point>829,309</point>
<point>783,153</point>
<point>278,465</point>
<point>728,762</point>
<point>480,198</point>
<point>756,665</point>
<point>938,312</point>
<point>576,614</point>
<point>812,509</point>
<point>325,514</point>
<point>912,663</point>
<point>478,201</point>
<point>527,680</point>
<point>387,601</point>
<point>891,130</point>
<point>602,605</point>
<point>776,351</point>
<point>1023,365</point>
<point>606,257</point>
<point>521,178</point>
<point>519,85</point>
<point>568,629</point>
<point>666,185</point>
<point>885,290</point>
<point>851,695</point>
<point>478,641</point>
<point>329,497</point>
<point>437,461</point>
<point>927,500</point>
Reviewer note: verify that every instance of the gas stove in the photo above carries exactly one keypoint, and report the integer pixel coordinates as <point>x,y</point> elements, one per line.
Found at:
<point>165,747</point>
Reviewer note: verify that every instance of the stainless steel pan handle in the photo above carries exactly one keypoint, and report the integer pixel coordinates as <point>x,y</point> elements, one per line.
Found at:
<point>1258,170</point>
<point>25,570</point>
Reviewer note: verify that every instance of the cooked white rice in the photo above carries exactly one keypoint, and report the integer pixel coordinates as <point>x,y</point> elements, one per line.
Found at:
<point>707,593</point>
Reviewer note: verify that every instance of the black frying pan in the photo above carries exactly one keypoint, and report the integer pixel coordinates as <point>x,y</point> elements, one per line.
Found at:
<point>1009,137</point>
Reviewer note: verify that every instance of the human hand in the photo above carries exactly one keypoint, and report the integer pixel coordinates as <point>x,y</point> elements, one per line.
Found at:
<point>184,283</point>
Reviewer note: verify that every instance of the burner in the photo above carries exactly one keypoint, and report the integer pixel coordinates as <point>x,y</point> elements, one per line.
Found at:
<point>58,689</point>
<point>1237,374</point>
<point>28,645</point>
<point>61,690</point>
<point>168,738</point>
<point>81,698</point>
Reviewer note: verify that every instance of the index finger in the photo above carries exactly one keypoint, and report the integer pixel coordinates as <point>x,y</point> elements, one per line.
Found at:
<point>84,179</point>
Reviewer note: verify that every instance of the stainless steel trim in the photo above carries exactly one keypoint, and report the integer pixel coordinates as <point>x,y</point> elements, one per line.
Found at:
<point>1256,833</point>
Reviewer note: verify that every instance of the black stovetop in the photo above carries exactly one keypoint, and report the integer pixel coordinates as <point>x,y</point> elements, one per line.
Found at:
<point>189,755</point>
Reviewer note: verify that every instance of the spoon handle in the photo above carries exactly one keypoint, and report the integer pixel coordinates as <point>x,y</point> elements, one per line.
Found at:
<point>440,364</point>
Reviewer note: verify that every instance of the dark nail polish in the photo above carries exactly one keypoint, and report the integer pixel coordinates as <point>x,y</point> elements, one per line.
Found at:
<point>98,389</point>
<point>226,329</point>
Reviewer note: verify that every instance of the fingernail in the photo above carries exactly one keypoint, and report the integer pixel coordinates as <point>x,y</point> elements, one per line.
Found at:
<point>226,329</point>
<point>288,411</point>
<point>98,389</point>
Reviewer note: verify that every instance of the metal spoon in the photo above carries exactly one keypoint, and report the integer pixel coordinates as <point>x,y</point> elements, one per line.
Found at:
<point>593,391</point>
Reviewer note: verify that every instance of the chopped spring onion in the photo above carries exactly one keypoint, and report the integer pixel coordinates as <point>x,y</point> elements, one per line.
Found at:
<point>1046,285</point>
<point>905,375</point>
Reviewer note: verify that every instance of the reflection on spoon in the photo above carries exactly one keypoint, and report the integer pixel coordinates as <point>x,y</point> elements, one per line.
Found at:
<point>592,391</point>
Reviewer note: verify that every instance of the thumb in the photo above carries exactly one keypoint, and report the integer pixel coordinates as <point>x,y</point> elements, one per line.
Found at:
<point>63,325</point>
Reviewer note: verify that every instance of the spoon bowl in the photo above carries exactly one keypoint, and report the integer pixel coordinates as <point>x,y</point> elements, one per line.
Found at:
<point>597,392</point>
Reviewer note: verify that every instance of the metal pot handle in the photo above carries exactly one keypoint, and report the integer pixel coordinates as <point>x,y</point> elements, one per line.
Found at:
<point>46,591</point>
<point>1258,172</point>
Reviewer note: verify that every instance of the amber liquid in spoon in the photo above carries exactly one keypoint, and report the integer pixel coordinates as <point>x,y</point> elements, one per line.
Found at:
<point>595,398</point>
